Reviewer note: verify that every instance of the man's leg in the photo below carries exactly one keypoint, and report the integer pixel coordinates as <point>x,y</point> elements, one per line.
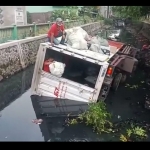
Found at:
<point>63,39</point>
<point>48,39</point>
<point>56,42</point>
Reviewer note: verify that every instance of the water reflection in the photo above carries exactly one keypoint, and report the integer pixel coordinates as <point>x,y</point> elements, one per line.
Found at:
<point>15,86</point>
<point>55,114</point>
<point>16,117</point>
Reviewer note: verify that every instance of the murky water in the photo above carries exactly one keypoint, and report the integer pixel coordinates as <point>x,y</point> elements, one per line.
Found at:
<point>17,110</point>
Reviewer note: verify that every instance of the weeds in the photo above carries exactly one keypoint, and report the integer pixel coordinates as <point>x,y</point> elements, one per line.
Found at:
<point>108,21</point>
<point>97,117</point>
<point>133,134</point>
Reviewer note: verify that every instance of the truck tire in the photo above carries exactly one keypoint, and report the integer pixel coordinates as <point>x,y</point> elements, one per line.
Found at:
<point>116,81</point>
<point>123,79</point>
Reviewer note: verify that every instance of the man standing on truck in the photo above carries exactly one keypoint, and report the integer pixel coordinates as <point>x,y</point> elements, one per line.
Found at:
<point>55,31</point>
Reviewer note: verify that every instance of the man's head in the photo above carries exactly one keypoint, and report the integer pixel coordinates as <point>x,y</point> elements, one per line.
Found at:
<point>59,21</point>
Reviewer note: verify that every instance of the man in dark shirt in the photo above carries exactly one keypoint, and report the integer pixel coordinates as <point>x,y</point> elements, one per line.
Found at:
<point>55,31</point>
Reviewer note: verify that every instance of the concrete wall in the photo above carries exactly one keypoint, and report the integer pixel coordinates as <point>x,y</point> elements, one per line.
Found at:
<point>17,55</point>
<point>7,15</point>
<point>104,9</point>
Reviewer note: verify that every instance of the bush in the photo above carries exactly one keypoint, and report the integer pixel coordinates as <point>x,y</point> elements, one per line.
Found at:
<point>65,14</point>
<point>108,21</point>
<point>97,117</point>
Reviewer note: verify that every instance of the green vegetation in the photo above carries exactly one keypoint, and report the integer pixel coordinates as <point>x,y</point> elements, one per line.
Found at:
<point>86,13</point>
<point>135,12</point>
<point>98,118</point>
<point>133,134</point>
<point>108,21</point>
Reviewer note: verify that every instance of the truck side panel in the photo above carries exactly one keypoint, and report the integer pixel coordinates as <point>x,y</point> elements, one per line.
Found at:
<point>52,86</point>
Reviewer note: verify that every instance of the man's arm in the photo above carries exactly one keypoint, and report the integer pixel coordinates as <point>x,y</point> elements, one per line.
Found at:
<point>52,38</point>
<point>64,33</point>
<point>52,30</point>
<point>63,29</point>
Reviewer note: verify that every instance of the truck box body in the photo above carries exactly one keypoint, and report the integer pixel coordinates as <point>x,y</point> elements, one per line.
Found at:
<point>45,84</point>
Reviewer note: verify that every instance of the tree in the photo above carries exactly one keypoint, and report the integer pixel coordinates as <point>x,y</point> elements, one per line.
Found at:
<point>134,12</point>
<point>68,13</point>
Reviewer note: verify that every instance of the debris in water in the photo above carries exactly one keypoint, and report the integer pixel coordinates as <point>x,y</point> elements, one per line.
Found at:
<point>119,117</point>
<point>147,104</point>
<point>37,121</point>
<point>49,140</point>
<point>132,87</point>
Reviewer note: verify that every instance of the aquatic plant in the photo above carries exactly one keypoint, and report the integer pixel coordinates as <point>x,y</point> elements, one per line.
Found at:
<point>97,117</point>
<point>133,134</point>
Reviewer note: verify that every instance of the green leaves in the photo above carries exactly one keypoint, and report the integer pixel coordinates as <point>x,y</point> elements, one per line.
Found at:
<point>97,117</point>
<point>70,12</point>
<point>128,11</point>
<point>133,134</point>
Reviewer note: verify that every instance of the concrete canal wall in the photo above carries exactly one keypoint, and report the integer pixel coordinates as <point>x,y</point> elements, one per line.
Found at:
<point>18,54</point>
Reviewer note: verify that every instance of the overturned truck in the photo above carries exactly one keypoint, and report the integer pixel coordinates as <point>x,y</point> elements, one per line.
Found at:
<point>85,75</point>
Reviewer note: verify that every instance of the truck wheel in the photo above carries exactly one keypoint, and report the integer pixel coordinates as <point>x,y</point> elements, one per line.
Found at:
<point>123,79</point>
<point>116,81</point>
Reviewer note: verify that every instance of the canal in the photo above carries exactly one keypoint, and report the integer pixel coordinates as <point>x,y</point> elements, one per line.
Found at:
<point>17,110</point>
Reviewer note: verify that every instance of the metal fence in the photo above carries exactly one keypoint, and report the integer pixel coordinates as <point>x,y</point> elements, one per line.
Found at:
<point>21,32</point>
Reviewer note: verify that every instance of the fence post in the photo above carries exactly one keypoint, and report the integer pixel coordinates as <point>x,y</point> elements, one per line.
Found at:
<point>15,32</point>
<point>49,24</point>
<point>35,29</point>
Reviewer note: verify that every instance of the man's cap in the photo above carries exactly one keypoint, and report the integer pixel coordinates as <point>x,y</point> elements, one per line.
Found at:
<point>58,20</point>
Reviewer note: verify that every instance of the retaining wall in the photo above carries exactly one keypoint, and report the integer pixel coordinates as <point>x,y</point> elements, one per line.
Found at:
<point>17,55</point>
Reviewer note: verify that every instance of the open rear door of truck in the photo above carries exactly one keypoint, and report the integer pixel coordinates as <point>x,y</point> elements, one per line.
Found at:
<point>46,84</point>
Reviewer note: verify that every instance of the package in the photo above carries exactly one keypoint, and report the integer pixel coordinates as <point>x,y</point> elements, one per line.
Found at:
<point>76,40</point>
<point>103,42</point>
<point>95,48</point>
<point>94,40</point>
<point>99,45</point>
<point>46,64</point>
<point>57,68</point>
<point>81,44</point>
<point>83,32</point>
<point>100,41</point>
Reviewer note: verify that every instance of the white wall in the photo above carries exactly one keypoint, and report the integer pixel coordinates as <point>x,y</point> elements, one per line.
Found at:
<point>8,17</point>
